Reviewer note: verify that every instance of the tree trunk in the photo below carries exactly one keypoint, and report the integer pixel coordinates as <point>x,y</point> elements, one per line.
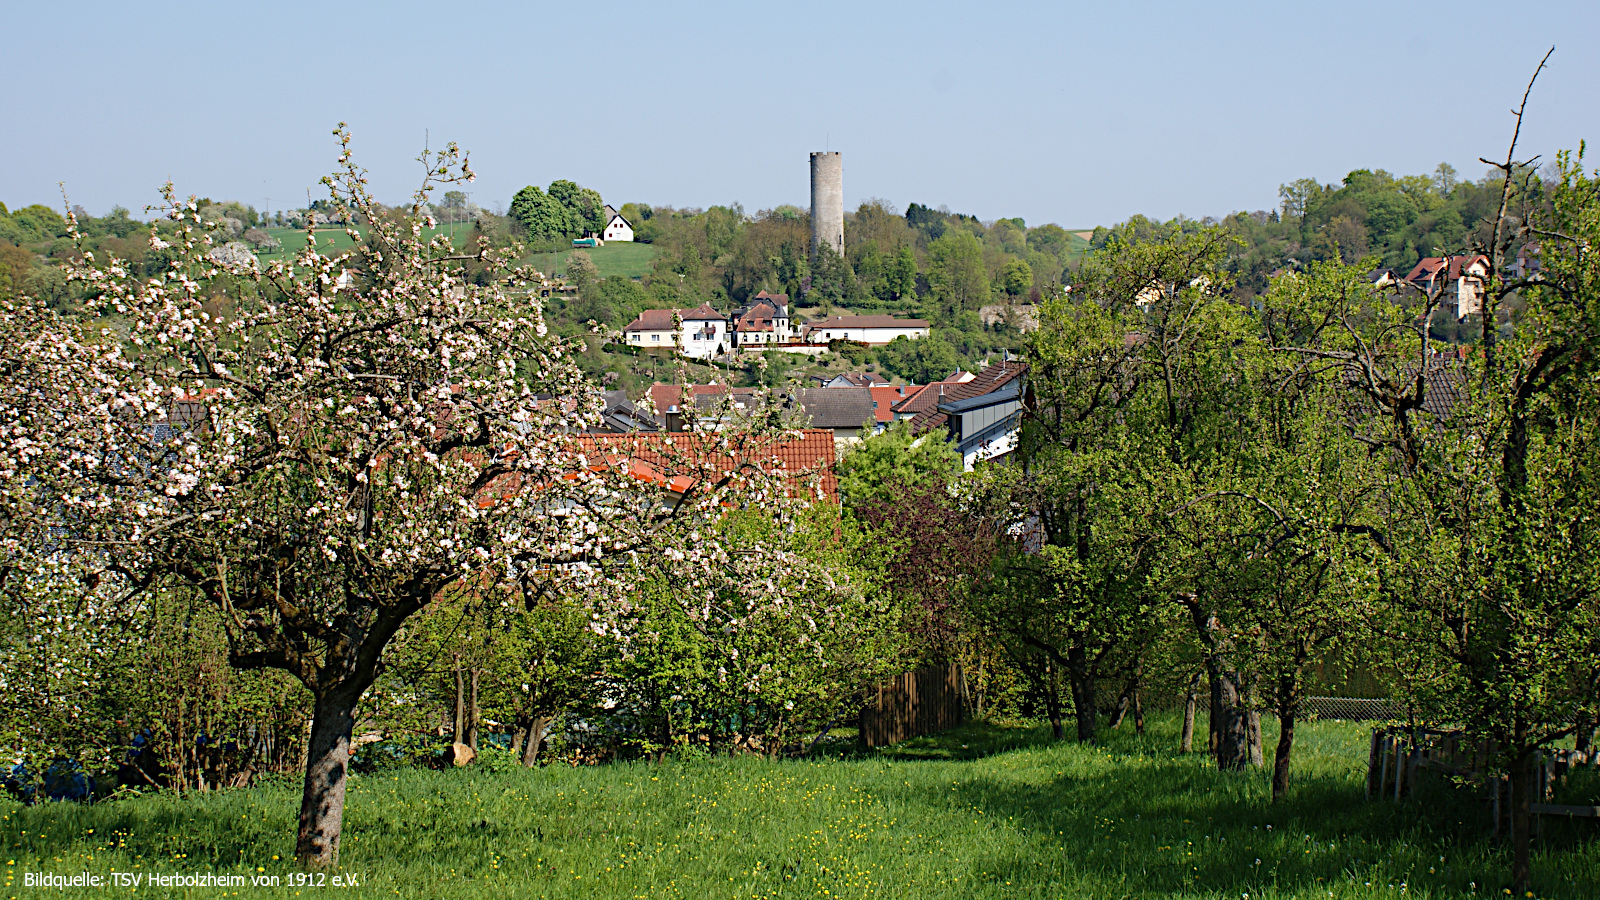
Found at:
<point>1190,701</point>
<point>1052,700</point>
<point>1138,712</point>
<point>1280,757</point>
<point>328,756</point>
<point>1523,778</point>
<point>1082,682</point>
<point>476,713</point>
<point>459,728</point>
<point>536,732</point>
<point>517,737</point>
<point>1253,734</point>
<point>1233,728</point>
<point>1120,711</point>
<point>1583,734</point>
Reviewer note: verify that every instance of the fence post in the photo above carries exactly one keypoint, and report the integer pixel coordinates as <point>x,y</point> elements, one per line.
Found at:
<point>1399,773</point>
<point>1373,763</point>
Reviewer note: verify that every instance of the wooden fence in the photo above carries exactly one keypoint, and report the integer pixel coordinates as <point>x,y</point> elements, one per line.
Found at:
<point>1399,756</point>
<point>926,701</point>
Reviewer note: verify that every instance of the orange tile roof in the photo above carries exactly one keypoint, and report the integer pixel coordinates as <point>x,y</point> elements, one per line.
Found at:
<point>884,398</point>
<point>808,453</point>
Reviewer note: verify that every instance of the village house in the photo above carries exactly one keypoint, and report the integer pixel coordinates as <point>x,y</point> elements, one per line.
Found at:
<point>763,321</point>
<point>983,415</point>
<point>855,379</point>
<point>864,329</point>
<point>847,412</point>
<point>617,228</point>
<point>1460,278</point>
<point>705,331</point>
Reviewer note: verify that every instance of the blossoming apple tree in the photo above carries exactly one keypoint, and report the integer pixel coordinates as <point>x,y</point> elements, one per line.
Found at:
<point>323,445</point>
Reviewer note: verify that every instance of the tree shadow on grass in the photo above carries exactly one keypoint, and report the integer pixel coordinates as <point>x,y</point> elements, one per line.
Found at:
<point>1165,823</point>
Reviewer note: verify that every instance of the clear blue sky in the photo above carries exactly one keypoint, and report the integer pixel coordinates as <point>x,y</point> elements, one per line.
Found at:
<point>1077,113</point>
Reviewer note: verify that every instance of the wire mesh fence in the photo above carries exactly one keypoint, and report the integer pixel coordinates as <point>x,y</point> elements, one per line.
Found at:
<point>1352,709</point>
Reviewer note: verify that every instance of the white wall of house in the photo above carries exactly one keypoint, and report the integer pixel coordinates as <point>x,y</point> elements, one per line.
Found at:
<point>648,338</point>
<point>703,337</point>
<point>617,229</point>
<point>864,335</point>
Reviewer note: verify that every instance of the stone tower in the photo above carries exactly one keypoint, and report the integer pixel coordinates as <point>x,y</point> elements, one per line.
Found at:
<point>827,202</point>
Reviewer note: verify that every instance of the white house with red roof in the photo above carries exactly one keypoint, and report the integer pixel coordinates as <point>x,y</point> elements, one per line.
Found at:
<point>1460,278</point>
<point>705,331</point>
<point>763,321</point>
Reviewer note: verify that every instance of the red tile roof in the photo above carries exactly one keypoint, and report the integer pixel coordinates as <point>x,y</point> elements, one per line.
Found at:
<point>666,395</point>
<point>806,459</point>
<point>661,319</point>
<point>1430,267</point>
<point>884,397</point>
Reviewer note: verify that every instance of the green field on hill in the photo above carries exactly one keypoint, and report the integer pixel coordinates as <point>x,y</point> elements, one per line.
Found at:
<point>983,811</point>
<point>628,259</point>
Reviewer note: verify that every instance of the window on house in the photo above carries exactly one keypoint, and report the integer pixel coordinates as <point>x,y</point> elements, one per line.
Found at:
<point>655,337</point>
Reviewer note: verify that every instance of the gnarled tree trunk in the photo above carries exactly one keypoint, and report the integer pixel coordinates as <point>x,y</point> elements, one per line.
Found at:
<point>1233,726</point>
<point>327,764</point>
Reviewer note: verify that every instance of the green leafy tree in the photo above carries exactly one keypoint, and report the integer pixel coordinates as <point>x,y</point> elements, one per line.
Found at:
<point>919,361</point>
<point>1490,547</point>
<point>585,211</point>
<point>894,457</point>
<point>540,216</point>
<point>956,273</point>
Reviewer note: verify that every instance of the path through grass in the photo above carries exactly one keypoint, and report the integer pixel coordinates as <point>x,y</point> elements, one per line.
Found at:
<point>982,812</point>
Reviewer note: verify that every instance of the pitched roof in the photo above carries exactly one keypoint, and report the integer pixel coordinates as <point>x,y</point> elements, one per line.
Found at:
<point>661,319</point>
<point>860,379</point>
<point>703,313</point>
<point>837,407</point>
<point>660,457</point>
<point>988,381</point>
<point>778,300</point>
<point>1430,267</point>
<point>652,320</point>
<point>885,396</point>
<point>757,316</point>
<point>665,396</point>
<point>867,322</point>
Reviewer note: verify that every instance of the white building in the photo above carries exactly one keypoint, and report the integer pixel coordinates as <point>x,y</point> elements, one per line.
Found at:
<point>617,228</point>
<point>763,322</point>
<point>865,329</point>
<point>705,331</point>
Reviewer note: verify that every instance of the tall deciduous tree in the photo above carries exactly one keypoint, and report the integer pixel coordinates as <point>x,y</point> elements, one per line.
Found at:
<point>1496,471</point>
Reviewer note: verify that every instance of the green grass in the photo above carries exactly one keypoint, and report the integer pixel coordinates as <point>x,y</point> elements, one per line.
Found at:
<point>981,812</point>
<point>631,260</point>
<point>628,259</point>
<point>336,240</point>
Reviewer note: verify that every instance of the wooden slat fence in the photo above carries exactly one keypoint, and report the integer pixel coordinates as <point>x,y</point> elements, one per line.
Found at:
<point>913,704</point>
<point>1398,756</point>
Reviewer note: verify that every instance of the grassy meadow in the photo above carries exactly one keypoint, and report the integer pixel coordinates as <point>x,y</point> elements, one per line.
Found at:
<point>628,259</point>
<point>981,812</point>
